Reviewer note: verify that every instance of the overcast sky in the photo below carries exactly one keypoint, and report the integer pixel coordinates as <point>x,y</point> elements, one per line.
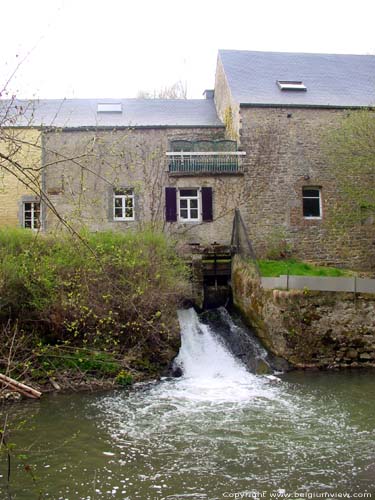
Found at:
<point>115,48</point>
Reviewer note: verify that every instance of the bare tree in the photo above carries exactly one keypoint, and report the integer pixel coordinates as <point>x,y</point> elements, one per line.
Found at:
<point>177,90</point>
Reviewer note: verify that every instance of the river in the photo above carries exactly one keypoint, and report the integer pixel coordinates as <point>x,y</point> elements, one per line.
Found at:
<point>216,432</point>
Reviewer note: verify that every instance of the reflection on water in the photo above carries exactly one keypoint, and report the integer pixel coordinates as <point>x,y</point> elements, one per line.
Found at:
<point>217,430</point>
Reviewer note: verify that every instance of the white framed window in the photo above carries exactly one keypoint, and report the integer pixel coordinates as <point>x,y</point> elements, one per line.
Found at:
<point>291,85</point>
<point>123,204</point>
<point>189,205</point>
<point>312,202</point>
<point>109,107</point>
<point>31,215</point>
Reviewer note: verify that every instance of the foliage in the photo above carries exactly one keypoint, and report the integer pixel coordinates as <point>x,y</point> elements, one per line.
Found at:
<point>350,150</point>
<point>51,359</point>
<point>124,378</point>
<point>271,268</point>
<point>277,246</point>
<point>116,292</point>
<point>229,123</point>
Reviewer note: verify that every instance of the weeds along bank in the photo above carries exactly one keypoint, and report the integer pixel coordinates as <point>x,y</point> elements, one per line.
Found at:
<point>102,308</point>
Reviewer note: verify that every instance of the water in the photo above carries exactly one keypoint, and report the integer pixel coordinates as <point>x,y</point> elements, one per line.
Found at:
<point>216,431</point>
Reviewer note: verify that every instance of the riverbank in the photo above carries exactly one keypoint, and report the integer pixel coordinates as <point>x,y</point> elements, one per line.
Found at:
<point>310,329</point>
<point>88,312</point>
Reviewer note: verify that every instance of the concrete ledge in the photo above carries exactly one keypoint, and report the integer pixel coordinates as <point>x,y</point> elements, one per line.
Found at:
<point>323,284</point>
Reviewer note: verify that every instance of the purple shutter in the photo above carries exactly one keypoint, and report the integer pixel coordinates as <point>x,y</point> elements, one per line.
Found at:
<point>207,214</point>
<point>170,204</point>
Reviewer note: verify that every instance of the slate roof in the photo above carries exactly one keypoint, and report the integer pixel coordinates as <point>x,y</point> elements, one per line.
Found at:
<point>77,113</point>
<point>332,80</point>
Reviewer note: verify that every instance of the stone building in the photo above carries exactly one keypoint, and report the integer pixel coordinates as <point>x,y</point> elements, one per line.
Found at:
<point>134,163</point>
<point>183,166</point>
<point>279,107</point>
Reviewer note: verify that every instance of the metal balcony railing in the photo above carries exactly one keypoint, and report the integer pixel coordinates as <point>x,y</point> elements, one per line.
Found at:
<point>205,162</point>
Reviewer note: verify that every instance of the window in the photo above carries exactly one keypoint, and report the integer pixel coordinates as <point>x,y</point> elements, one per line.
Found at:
<point>109,107</point>
<point>123,204</point>
<point>312,203</point>
<point>291,85</point>
<point>31,215</point>
<point>188,205</point>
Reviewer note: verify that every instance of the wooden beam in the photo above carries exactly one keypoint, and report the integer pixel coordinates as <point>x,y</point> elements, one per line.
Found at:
<point>16,386</point>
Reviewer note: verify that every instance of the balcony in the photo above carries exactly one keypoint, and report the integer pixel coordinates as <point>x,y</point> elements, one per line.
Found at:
<point>204,157</point>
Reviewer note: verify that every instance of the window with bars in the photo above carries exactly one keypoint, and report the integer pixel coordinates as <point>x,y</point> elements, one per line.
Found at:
<point>123,205</point>
<point>312,203</point>
<point>31,215</point>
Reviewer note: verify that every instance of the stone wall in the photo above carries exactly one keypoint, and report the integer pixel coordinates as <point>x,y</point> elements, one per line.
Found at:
<point>227,108</point>
<point>308,329</point>
<point>284,154</point>
<point>23,147</point>
<point>81,187</point>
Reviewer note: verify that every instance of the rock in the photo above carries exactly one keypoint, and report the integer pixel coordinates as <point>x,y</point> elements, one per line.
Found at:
<point>365,355</point>
<point>262,368</point>
<point>177,372</point>
<point>11,396</point>
<point>352,354</point>
<point>369,338</point>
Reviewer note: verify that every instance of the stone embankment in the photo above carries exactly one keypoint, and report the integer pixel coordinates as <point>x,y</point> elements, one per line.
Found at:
<point>324,330</point>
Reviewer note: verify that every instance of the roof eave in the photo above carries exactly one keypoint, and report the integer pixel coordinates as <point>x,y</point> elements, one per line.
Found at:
<point>126,127</point>
<point>314,106</point>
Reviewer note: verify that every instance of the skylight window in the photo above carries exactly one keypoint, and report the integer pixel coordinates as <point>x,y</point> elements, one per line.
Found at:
<point>291,85</point>
<point>110,107</point>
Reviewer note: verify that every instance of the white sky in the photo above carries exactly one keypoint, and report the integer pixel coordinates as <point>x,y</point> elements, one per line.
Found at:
<point>114,48</point>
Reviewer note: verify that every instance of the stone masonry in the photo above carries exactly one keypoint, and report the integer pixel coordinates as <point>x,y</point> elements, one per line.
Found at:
<point>284,154</point>
<point>310,330</point>
<point>98,161</point>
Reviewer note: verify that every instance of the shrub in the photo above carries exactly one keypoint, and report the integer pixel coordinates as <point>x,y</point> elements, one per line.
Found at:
<point>124,378</point>
<point>115,291</point>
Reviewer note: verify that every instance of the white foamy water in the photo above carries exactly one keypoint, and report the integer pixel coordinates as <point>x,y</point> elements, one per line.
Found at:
<point>210,371</point>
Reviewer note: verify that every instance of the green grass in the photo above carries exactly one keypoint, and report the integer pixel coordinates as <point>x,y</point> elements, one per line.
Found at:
<point>272,268</point>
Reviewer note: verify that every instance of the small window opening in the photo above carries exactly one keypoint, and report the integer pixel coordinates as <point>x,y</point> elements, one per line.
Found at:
<point>123,205</point>
<point>31,215</point>
<point>109,107</point>
<point>291,85</point>
<point>312,203</point>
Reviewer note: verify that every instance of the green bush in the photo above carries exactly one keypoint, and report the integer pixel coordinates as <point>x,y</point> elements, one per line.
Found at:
<point>108,292</point>
<point>124,378</point>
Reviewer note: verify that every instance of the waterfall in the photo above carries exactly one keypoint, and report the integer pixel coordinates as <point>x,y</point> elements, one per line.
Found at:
<point>202,354</point>
<point>210,370</point>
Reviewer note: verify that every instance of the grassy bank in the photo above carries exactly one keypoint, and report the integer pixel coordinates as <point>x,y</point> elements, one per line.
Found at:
<point>274,268</point>
<point>104,308</point>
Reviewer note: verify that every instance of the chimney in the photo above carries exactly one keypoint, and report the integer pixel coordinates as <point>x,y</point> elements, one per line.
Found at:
<point>209,93</point>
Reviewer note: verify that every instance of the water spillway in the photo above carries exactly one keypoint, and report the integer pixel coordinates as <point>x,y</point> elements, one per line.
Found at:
<point>214,343</point>
<point>210,371</point>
